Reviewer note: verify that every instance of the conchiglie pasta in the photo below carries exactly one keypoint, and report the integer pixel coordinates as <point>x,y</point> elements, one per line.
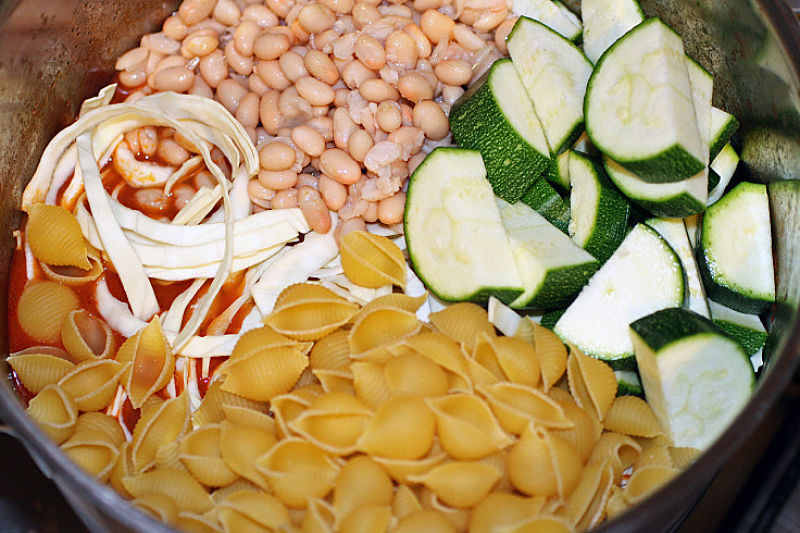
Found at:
<point>396,300</point>
<point>86,337</point>
<point>458,518</point>
<point>73,276</point>
<point>485,354</point>
<point>177,485</point>
<point>335,380</point>
<point>200,451</point>
<point>380,327</point>
<point>55,412</point>
<point>463,322</point>
<point>369,383</point>
<point>160,506</point>
<point>586,504</point>
<point>683,457</point>
<point>93,450</point>
<point>366,519</point>
<point>619,451</point>
<point>152,363</point>
<point>441,350</point>
<point>42,309</point>
<point>405,502</point>
<point>415,374</point>
<point>287,407</point>
<point>123,468</point>
<point>467,428</point>
<point>516,406</point>
<point>654,455</point>
<point>461,484</point>
<point>500,509</point>
<point>647,480</point>
<point>543,464</point>
<point>552,355</point>
<point>319,517</point>
<point>585,430</point>
<point>403,427</point>
<point>543,524</point>
<point>372,260</point>
<point>403,470</point>
<point>263,374</point>
<point>309,312</point>
<point>197,523</point>
<point>93,383</point>
<point>246,510</point>
<point>361,482</point>
<point>591,382</point>
<point>168,455</point>
<point>37,370</point>
<point>262,338</point>
<point>333,422</point>
<point>108,425</point>
<point>240,445</point>
<point>216,400</point>
<point>331,352</point>
<point>632,416</point>
<point>424,520</point>
<point>219,494</point>
<point>55,236</point>
<point>157,426</point>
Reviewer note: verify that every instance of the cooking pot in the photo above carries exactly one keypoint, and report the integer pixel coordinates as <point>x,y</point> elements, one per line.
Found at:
<point>53,55</point>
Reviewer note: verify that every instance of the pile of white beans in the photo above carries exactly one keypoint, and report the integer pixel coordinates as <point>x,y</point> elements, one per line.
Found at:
<point>343,98</point>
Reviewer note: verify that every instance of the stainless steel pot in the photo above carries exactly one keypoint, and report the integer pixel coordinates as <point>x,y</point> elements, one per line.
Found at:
<point>55,54</point>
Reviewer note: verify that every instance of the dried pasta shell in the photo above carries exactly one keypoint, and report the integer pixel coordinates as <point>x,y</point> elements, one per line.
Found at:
<point>396,300</point>
<point>263,374</point>
<point>461,484</point>
<point>516,406</point>
<point>683,457</point>
<point>239,485</point>
<point>367,518</point>
<point>361,482</point>
<point>424,520</point>
<point>591,382</point>
<point>168,456</point>
<point>152,363</point>
<point>107,425</point>
<point>55,236</point>
<point>93,450</point>
<point>415,374</point>
<point>156,426</point>
<point>55,412</point>
<point>646,481</point>
<point>309,312</point>
<point>42,308</point>
<point>585,430</point>
<point>74,276</point>
<point>463,322</point>
<point>405,502</point>
<point>485,354</point>
<point>200,451</point>
<point>197,523</point>
<point>336,380</point>
<point>458,518</point>
<point>632,416</point>
<point>525,330</point>
<point>319,517</point>
<point>86,337</point>
<point>586,504</point>
<point>122,468</point>
<point>331,352</point>
<point>552,355</point>
<point>287,407</point>
<point>500,509</point>
<point>37,370</point>
<point>240,445</point>
<point>253,511</point>
<point>177,485</point>
<point>518,360</point>
<point>402,428</point>
<point>372,260</point>
<point>160,506</point>
<point>542,464</point>
<point>93,383</point>
<point>262,338</point>
<point>467,428</point>
<point>369,383</point>
<point>333,422</point>
<point>402,470</point>
<point>297,471</point>
<point>617,450</point>
<point>441,350</point>
<point>543,524</point>
<point>654,455</point>
<point>212,408</point>
<point>479,375</point>
<point>379,328</point>
<point>237,414</point>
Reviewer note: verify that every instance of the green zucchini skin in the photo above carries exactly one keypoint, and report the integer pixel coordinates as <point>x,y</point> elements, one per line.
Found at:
<point>546,201</point>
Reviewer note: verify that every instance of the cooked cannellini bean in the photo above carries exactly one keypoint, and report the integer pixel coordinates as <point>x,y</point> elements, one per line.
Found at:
<point>277,180</point>
<point>272,75</point>
<point>213,68</point>
<point>415,87</point>
<point>377,90</point>
<point>436,26</point>
<point>292,66</point>
<point>308,140</point>
<point>276,156</point>
<point>284,199</point>
<point>453,71</point>
<point>178,79</point>
<point>270,45</point>
<point>338,165</point>
<point>333,193</point>
<point>319,65</point>
<point>429,117</point>
<point>316,92</point>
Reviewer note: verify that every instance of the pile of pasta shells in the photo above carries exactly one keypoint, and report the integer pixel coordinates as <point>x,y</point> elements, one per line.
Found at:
<point>338,416</point>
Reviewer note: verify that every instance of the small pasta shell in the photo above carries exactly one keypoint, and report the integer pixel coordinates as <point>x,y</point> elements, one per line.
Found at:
<point>160,506</point>
<point>619,451</point>
<point>552,355</point>
<point>367,518</point>
<point>424,520</point>
<point>331,352</point>
<point>525,330</point>
<point>542,464</point>
<point>518,360</point>
<point>333,422</point>
<point>402,470</point>
<point>500,509</point>
<point>55,412</point>
<point>591,382</point>
<point>93,383</point>
<point>94,450</point>
<point>168,456</point>
<point>239,485</point>
<point>369,383</point>
<point>177,485</point>
<point>74,276</point>
<point>42,309</point>
<point>372,260</point>
<point>262,338</point>
<point>240,445</point>
<point>586,504</point>
<point>402,428</point>
<point>646,481</point>
<point>654,455</point>
<point>632,416</point>
<point>585,430</point>
<point>309,312</point>
<point>122,468</point>
<point>361,482</point>
<point>55,236</point>
<point>37,370</point>
<point>380,327</point>
<point>297,471</point>
<point>415,374</point>
<point>441,350</point>
<point>335,380</point>
<point>152,363</point>
<point>405,502</point>
<point>485,354</point>
<point>156,426</point>
<point>319,517</point>
<point>249,510</point>
<point>287,407</point>
<point>463,322</point>
<point>396,300</point>
<point>458,518</point>
<point>516,406</point>
<point>212,408</point>
<point>467,428</point>
<point>616,504</point>
<point>200,451</point>
<point>263,374</point>
<point>86,337</point>
<point>683,457</point>
<point>544,523</point>
<point>461,484</point>
<point>197,523</point>
<point>237,414</point>
<point>107,425</point>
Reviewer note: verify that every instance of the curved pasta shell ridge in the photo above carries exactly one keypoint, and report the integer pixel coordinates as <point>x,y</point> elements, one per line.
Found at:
<point>331,352</point>
<point>463,322</point>
<point>415,374</point>
<point>74,276</point>
<point>542,464</point>
<point>152,363</point>
<point>93,383</point>
<point>247,508</point>
<point>240,445</point>
<point>403,427</point>
<point>461,484</point>
<point>37,370</point>
<point>55,412</point>
<point>42,309</point>
<point>361,482</point>
<point>55,236</point>
<point>552,355</point>
<point>632,416</point>
<point>380,327</point>
<point>263,374</point>
<point>86,337</point>
<point>178,485</point>
<point>591,382</point>
<point>516,406</point>
<point>200,451</point>
<point>212,407</point>
<point>467,428</point>
<point>372,260</point>
<point>333,422</point>
<point>156,426</point>
<point>503,509</point>
<point>585,430</point>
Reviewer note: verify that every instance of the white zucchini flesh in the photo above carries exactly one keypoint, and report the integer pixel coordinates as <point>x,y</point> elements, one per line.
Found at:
<point>605,21</point>
<point>673,230</point>
<point>554,15</point>
<point>639,106</point>
<point>456,241</point>
<point>725,166</point>
<point>642,276</point>
<point>554,72</point>
<point>723,126</point>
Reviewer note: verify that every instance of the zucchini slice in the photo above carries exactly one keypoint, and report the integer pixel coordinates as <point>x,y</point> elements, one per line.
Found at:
<point>544,199</point>
<point>554,72</point>
<point>605,21</point>
<point>553,268</point>
<point>628,383</point>
<point>723,167</point>
<point>552,14</point>
<point>558,173</point>
<point>496,118</point>
<point>642,276</point>
<point>695,377</point>
<point>748,330</point>
<point>639,106</point>
<point>734,252</point>
<point>455,239</point>
<point>723,126</point>
<point>598,213</point>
